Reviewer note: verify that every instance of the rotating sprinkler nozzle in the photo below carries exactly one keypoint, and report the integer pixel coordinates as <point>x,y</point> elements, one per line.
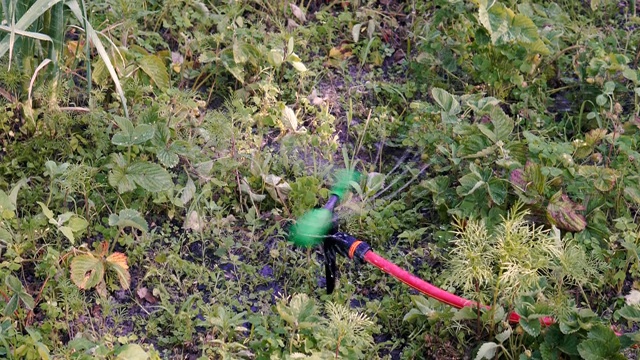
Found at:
<point>313,227</point>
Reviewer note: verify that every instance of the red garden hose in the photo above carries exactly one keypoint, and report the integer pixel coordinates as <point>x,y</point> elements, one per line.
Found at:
<point>426,288</point>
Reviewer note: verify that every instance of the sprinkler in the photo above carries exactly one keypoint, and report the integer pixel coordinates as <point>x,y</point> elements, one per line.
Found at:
<point>318,227</point>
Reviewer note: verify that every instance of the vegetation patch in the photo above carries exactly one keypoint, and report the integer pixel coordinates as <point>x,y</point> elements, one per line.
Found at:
<point>155,157</point>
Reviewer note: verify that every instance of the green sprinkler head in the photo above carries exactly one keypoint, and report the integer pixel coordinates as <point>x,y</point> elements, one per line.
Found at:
<point>311,229</point>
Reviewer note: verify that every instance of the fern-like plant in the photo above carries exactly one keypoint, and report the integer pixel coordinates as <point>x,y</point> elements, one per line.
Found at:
<point>346,332</point>
<point>508,261</point>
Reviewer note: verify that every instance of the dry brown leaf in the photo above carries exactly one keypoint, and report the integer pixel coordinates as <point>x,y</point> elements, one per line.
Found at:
<point>298,13</point>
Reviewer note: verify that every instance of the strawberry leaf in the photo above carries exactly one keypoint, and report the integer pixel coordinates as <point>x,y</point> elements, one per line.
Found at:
<point>561,211</point>
<point>118,262</point>
<point>86,271</point>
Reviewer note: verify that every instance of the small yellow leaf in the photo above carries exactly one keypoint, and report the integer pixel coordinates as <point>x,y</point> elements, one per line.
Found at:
<point>289,118</point>
<point>341,53</point>
<point>118,262</point>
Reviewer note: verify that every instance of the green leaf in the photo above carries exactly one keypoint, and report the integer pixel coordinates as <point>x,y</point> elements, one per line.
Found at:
<point>487,351</point>
<point>68,233</point>
<point>497,190</point>
<point>523,29</point>
<point>226,57</point>
<point>130,135</point>
<point>86,271</point>
<point>606,335</point>
<point>149,176</point>
<point>538,47</point>
<point>129,218</point>
<point>475,146</point>
<point>167,157</point>
<point>531,326</point>
<point>77,224</point>
<point>629,339</point>
<point>469,184</point>
<point>188,192</point>
<point>14,284</point>
<point>504,26</point>
<point>592,349</point>
<point>495,19</point>
<point>35,11</point>
<point>125,125</point>
<point>5,236</point>
<point>632,193</point>
<point>132,352</point>
<point>298,66</point>
<point>548,352</point>
<point>275,57</point>
<point>375,182</point>
<point>161,135</point>
<point>466,313</point>
<point>355,32</point>
<point>141,134</point>
<point>446,101</point>
<point>43,351</point>
<point>299,312</point>
<point>603,179</point>
<point>13,194</point>
<point>153,66</point>
<point>487,132</point>
<point>503,336</point>
<point>45,210</point>
<point>239,55</point>
<point>630,74</point>
<point>631,313</point>
<point>118,178</point>
<point>245,188</point>
<point>27,300</point>
<point>502,124</point>
<point>12,305</point>
<point>166,152</point>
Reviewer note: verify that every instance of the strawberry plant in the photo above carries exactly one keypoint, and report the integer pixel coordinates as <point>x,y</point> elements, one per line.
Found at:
<point>89,269</point>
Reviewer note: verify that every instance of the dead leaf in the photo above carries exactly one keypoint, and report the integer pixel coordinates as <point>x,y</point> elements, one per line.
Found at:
<point>144,293</point>
<point>289,118</point>
<point>291,24</point>
<point>315,99</point>
<point>176,61</point>
<point>193,222</point>
<point>561,211</point>
<point>118,263</point>
<point>399,55</point>
<point>341,52</point>
<point>298,13</point>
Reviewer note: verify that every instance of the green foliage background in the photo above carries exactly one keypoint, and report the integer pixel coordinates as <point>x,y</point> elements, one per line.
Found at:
<point>154,153</point>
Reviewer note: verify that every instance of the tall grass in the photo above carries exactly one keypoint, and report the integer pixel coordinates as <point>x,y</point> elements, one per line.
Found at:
<point>31,22</point>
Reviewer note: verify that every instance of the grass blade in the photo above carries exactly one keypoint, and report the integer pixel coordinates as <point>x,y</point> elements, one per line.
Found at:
<point>55,27</point>
<point>30,34</point>
<point>30,16</point>
<point>93,37</point>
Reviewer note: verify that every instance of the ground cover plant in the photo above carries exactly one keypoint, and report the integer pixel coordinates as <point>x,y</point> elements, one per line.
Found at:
<point>153,155</point>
